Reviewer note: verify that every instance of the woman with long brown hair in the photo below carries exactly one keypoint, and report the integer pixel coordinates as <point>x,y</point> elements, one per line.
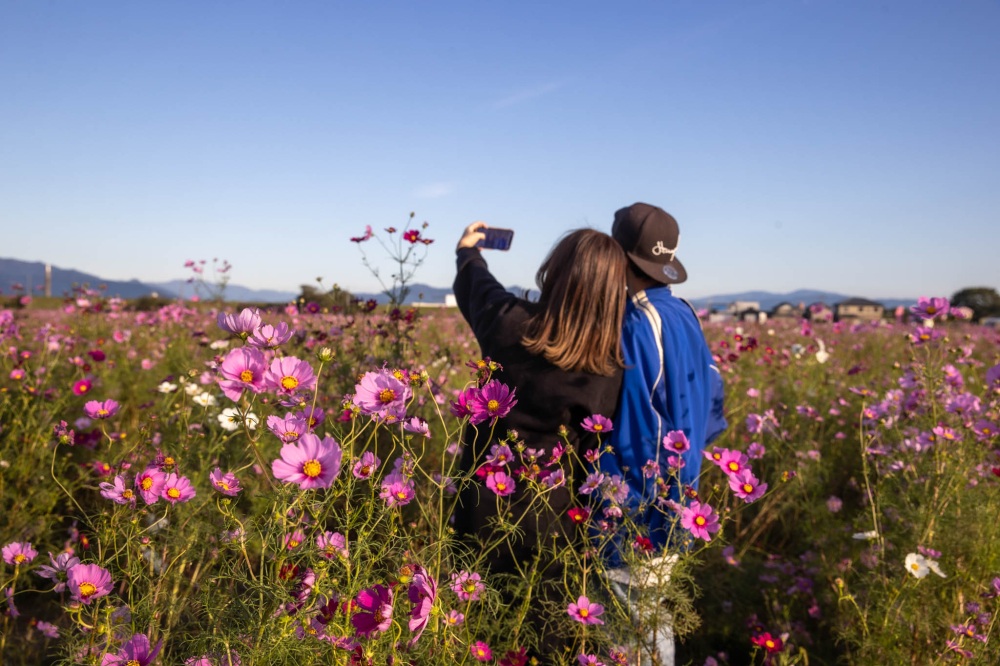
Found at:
<point>562,356</point>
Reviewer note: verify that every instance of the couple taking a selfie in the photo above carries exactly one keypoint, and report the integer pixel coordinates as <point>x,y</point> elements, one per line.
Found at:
<point>606,336</point>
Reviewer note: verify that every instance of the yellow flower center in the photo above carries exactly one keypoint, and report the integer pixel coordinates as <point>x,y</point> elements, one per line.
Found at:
<point>20,558</point>
<point>470,587</point>
<point>716,456</point>
<point>293,543</point>
<point>246,376</point>
<point>146,483</point>
<point>734,467</point>
<point>102,412</point>
<point>401,494</point>
<point>386,395</point>
<point>584,612</point>
<point>289,383</point>
<point>87,589</point>
<point>312,468</point>
<point>173,493</point>
<point>366,470</point>
<point>222,484</point>
<point>598,427</point>
<point>501,486</point>
<point>127,494</point>
<point>915,566</point>
<point>747,488</point>
<point>769,644</point>
<point>700,521</point>
<point>132,662</point>
<point>168,461</point>
<point>493,405</point>
<point>398,374</point>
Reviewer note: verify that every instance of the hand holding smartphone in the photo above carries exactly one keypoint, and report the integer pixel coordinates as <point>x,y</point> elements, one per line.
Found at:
<point>496,239</point>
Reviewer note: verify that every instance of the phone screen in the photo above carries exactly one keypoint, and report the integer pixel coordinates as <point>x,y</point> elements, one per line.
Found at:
<point>496,239</point>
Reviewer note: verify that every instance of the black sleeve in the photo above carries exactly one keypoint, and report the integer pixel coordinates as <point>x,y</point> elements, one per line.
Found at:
<point>480,298</point>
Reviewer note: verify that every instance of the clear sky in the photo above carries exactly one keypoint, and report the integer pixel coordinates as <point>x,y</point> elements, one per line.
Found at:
<point>847,145</point>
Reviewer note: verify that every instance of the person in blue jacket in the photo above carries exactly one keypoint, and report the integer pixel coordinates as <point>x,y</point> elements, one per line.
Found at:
<point>670,383</point>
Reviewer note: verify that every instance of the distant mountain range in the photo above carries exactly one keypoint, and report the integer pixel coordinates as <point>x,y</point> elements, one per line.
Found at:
<point>32,275</point>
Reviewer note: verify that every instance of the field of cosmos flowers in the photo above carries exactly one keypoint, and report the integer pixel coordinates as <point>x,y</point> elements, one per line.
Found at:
<point>196,484</point>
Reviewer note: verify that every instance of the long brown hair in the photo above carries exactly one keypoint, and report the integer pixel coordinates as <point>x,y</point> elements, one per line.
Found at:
<point>579,327</point>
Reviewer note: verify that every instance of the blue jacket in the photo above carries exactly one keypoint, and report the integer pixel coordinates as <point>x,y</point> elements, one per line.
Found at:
<point>670,383</point>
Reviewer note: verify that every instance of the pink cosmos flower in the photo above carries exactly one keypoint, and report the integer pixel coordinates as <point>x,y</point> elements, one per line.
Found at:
<point>676,442</point>
<point>493,401</point>
<point>311,462</point>
<point>270,337</point>
<point>454,618</point>
<point>923,334</point>
<point>289,428</point>
<point>294,539</point>
<point>86,582</point>
<point>597,423</point>
<point>134,652</point>
<point>417,425</point>
<point>117,492</point>
<point>733,462</point>
<point>226,483</point>
<point>746,486</point>
<point>17,553</point>
<point>397,490</point>
<point>375,615</point>
<point>585,612</point>
<point>177,489</point>
<point>47,629</point>
<point>243,324</point>
<point>366,465</point>
<point>480,651</point>
<point>467,586</point>
<point>242,369</point>
<point>381,392</point>
<point>367,235</point>
<point>930,308</point>
<point>149,484</point>
<point>501,484</point>
<point>332,544</point>
<point>289,375</point>
<point>589,660</point>
<point>61,565</point>
<point>101,410</point>
<point>700,519</point>
<point>462,406</point>
<point>422,593</point>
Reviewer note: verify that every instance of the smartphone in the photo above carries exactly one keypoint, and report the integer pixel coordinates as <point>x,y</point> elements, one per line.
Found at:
<point>496,239</point>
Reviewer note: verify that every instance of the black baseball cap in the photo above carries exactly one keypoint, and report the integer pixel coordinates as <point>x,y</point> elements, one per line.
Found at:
<point>649,236</point>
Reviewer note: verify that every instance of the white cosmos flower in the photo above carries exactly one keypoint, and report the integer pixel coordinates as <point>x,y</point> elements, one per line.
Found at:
<point>219,344</point>
<point>822,355</point>
<point>231,419</point>
<point>865,536</point>
<point>916,564</point>
<point>192,389</point>
<point>166,387</point>
<point>205,399</point>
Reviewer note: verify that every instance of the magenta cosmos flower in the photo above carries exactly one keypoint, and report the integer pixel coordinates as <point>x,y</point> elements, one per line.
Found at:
<point>82,387</point>
<point>18,553</point>
<point>136,651</point>
<point>597,423</point>
<point>177,489</point>
<point>733,462</point>
<point>480,651</point>
<point>289,375</point>
<point>585,612</point>
<point>700,519</point>
<point>366,465</point>
<point>226,483</point>
<point>375,615</point>
<point>86,582</point>
<point>242,369</point>
<point>501,483</point>
<point>311,462</point>
<point>101,410</point>
<point>382,393</point>
<point>493,401</point>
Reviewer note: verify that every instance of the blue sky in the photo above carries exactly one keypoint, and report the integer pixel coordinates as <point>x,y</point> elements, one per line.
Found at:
<point>852,146</point>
